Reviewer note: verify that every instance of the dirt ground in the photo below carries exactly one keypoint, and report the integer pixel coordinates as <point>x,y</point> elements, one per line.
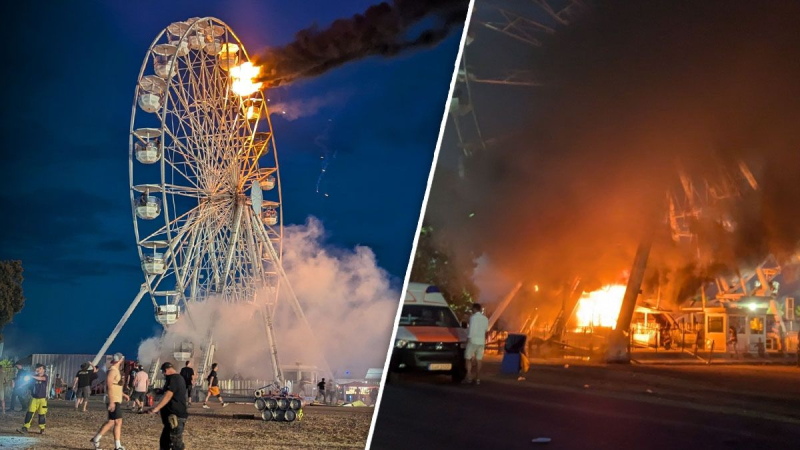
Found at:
<point>321,427</point>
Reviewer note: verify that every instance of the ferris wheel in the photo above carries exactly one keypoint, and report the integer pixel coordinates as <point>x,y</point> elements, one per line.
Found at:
<point>203,168</point>
<point>205,186</point>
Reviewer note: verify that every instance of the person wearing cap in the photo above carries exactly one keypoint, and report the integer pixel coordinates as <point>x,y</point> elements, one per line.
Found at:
<point>38,404</point>
<point>173,409</point>
<point>114,385</point>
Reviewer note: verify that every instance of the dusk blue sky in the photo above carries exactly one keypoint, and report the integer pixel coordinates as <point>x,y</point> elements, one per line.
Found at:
<point>65,118</point>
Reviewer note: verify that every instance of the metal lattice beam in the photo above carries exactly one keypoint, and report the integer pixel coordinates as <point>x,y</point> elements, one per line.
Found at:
<point>518,27</point>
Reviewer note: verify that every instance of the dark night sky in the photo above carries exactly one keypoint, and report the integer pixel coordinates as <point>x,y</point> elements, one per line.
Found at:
<point>69,88</point>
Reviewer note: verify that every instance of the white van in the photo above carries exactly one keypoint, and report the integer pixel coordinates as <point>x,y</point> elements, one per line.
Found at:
<point>429,337</point>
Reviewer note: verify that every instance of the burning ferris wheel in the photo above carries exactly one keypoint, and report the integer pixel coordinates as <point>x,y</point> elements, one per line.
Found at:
<point>204,181</point>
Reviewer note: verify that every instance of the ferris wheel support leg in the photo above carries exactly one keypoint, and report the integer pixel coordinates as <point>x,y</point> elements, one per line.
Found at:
<point>237,221</point>
<point>293,301</point>
<point>120,324</point>
<point>273,348</point>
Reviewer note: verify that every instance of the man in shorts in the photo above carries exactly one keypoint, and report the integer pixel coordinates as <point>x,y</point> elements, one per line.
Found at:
<point>213,387</point>
<point>114,384</point>
<point>173,409</point>
<point>476,341</point>
<point>141,382</point>
<point>38,404</point>
<point>82,385</point>
<point>188,378</point>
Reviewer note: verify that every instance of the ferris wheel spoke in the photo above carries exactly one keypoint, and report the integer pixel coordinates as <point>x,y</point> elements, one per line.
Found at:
<point>189,148</point>
<point>183,150</point>
<point>176,167</point>
<point>162,231</point>
<point>175,189</point>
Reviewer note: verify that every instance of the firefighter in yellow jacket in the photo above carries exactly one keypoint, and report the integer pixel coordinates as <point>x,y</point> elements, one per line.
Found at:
<point>38,403</point>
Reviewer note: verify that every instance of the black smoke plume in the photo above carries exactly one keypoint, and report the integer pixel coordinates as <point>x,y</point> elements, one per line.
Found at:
<point>385,29</point>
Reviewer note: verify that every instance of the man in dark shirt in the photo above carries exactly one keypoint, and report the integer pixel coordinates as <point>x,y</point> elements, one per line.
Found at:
<point>173,409</point>
<point>82,385</point>
<point>213,387</point>
<point>187,373</point>
<point>38,403</point>
<point>321,389</point>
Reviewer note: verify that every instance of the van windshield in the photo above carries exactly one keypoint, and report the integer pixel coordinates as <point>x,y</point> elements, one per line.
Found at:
<point>431,316</point>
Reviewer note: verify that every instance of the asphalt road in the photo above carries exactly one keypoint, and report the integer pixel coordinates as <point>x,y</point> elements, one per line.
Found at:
<point>610,410</point>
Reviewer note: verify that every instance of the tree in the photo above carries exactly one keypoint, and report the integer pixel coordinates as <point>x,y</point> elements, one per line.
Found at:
<point>434,263</point>
<point>12,298</point>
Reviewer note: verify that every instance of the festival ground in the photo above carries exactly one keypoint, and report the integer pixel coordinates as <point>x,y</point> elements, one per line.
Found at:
<point>231,428</point>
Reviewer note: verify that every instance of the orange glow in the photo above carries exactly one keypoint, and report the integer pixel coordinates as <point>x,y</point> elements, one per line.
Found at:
<point>601,307</point>
<point>251,113</point>
<point>242,76</point>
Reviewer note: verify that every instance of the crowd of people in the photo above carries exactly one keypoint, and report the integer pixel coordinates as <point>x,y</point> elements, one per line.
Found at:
<point>124,382</point>
<point>172,407</point>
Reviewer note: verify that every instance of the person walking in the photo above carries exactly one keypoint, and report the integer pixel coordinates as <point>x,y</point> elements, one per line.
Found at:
<point>18,387</point>
<point>373,396</point>
<point>476,342</point>
<point>114,385</point>
<point>188,378</point>
<point>141,382</point>
<point>733,342</point>
<point>173,408</point>
<point>38,404</point>
<point>82,385</point>
<point>321,390</point>
<point>59,386</point>
<point>213,387</point>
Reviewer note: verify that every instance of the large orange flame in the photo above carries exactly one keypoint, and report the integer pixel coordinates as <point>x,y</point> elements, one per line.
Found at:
<point>243,76</point>
<point>601,307</point>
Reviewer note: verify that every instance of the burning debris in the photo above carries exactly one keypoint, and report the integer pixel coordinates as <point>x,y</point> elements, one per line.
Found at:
<point>386,29</point>
<point>635,100</point>
<point>600,308</point>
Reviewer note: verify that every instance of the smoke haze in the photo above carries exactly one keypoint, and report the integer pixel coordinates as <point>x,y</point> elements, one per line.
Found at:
<point>295,109</point>
<point>634,91</point>
<point>385,29</point>
<point>345,295</point>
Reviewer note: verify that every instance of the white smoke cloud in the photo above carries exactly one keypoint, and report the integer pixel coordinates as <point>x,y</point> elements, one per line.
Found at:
<point>492,283</point>
<point>295,109</point>
<point>345,295</point>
